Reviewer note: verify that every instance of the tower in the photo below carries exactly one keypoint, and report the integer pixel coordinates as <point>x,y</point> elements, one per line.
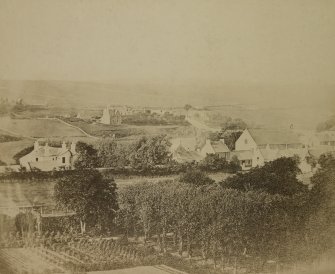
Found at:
<point>106,118</point>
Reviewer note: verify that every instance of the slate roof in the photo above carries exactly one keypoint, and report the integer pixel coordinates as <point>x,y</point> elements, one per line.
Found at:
<point>182,155</point>
<point>272,136</point>
<point>187,143</point>
<point>51,151</point>
<point>219,147</point>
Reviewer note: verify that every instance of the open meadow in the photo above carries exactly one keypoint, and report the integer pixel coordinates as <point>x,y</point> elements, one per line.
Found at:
<point>38,128</point>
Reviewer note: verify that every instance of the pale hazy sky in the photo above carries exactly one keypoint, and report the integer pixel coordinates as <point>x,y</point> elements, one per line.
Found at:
<point>170,42</point>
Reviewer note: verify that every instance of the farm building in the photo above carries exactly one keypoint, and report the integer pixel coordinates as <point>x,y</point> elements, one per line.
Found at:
<point>46,158</point>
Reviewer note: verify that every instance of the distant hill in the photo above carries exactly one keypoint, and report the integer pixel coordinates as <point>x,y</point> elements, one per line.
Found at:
<point>255,104</point>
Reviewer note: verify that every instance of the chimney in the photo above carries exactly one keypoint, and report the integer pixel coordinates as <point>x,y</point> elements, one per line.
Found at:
<point>73,148</point>
<point>222,140</point>
<point>63,145</point>
<point>36,145</point>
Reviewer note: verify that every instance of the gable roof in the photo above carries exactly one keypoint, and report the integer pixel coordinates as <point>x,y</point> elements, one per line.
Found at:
<point>188,144</point>
<point>274,137</point>
<point>219,147</point>
<point>182,155</point>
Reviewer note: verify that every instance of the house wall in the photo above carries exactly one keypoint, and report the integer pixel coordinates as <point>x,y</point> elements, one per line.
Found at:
<point>46,163</point>
<point>257,159</point>
<point>207,149</point>
<point>245,142</point>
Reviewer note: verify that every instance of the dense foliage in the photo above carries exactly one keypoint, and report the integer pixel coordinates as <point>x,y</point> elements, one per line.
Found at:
<point>8,138</point>
<point>92,197</point>
<point>195,177</point>
<point>327,125</point>
<point>213,162</point>
<point>275,177</point>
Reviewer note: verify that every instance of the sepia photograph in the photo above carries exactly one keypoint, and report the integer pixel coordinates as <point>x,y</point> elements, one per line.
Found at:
<point>167,136</point>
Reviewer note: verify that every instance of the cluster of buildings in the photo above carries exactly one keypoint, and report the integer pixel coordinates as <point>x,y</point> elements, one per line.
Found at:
<point>255,147</point>
<point>47,158</point>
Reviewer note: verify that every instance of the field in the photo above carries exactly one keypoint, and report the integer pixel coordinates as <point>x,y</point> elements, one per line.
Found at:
<point>38,128</point>
<point>26,193</point>
<point>9,149</point>
<point>129,131</point>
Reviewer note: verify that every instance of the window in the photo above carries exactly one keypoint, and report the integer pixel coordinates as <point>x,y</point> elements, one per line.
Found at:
<point>245,141</point>
<point>63,160</point>
<point>36,159</point>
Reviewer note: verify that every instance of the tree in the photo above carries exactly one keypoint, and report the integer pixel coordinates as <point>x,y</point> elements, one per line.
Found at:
<point>87,156</point>
<point>230,138</point>
<point>234,124</point>
<point>92,198</point>
<point>213,162</point>
<point>327,125</point>
<point>187,107</point>
<point>150,151</point>
<point>275,177</point>
<point>322,206</point>
<point>195,177</point>
<point>112,154</point>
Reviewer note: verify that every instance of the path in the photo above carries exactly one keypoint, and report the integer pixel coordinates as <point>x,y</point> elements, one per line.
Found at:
<point>201,125</point>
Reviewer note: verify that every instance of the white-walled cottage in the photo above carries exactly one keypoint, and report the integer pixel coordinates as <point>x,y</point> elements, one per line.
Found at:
<point>46,158</point>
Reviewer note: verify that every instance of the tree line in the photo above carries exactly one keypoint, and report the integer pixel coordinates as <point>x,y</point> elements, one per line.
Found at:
<point>146,156</point>
<point>266,214</point>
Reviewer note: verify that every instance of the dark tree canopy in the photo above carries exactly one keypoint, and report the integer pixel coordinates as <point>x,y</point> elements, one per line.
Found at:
<point>213,162</point>
<point>150,151</point>
<point>195,177</point>
<point>327,125</point>
<point>276,177</point>
<point>92,197</point>
<point>87,156</point>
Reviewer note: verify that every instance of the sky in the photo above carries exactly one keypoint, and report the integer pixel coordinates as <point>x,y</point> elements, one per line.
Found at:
<point>278,48</point>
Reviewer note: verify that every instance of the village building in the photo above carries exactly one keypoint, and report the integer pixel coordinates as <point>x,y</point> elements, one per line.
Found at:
<point>46,158</point>
<point>255,147</point>
<point>326,138</point>
<point>111,117</point>
<point>218,148</point>
<point>184,150</point>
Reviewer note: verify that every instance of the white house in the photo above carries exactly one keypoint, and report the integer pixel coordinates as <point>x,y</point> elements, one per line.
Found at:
<point>255,147</point>
<point>216,147</point>
<point>46,158</point>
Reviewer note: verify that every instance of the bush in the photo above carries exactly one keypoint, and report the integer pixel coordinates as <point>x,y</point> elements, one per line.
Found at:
<point>195,177</point>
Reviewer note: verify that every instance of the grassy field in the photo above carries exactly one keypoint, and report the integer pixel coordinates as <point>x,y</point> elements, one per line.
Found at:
<point>38,128</point>
<point>9,149</point>
<point>130,131</point>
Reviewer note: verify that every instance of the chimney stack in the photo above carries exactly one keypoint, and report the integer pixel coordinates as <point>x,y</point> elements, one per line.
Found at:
<point>64,145</point>
<point>36,145</point>
<point>73,148</point>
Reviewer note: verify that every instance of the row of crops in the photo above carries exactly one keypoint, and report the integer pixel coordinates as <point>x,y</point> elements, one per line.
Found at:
<point>58,253</point>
